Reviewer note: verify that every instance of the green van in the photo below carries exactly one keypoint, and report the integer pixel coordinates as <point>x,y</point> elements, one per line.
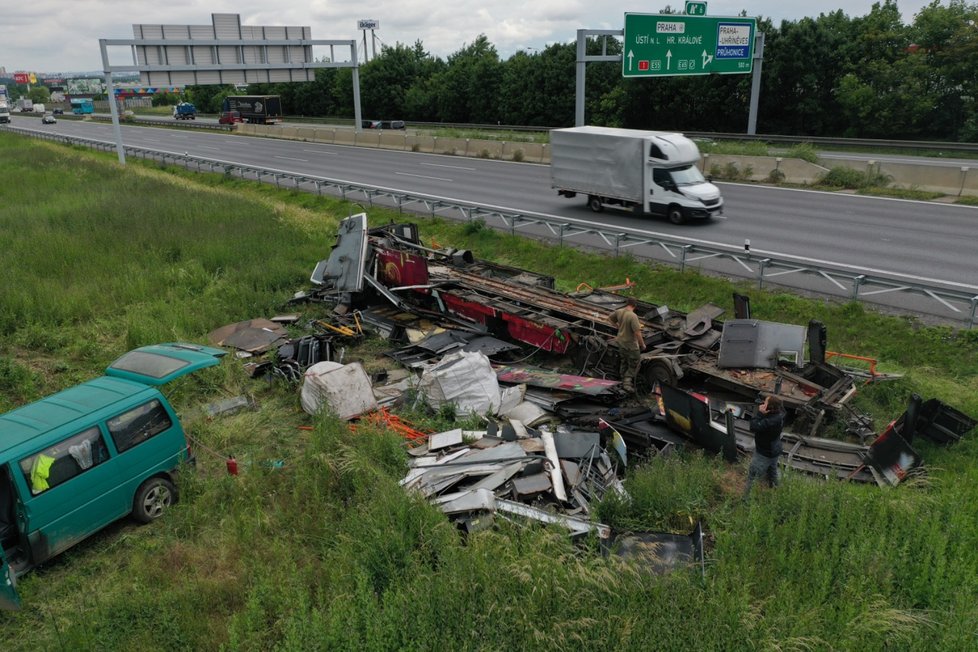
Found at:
<point>78,460</point>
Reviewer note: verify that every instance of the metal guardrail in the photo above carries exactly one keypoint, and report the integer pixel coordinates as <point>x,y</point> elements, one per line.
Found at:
<point>183,124</point>
<point>842,142</point>
<point>959,302</point>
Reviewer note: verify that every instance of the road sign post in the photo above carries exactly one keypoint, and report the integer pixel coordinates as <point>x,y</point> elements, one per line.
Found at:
<point>661,45</point>
<point>695,8</point>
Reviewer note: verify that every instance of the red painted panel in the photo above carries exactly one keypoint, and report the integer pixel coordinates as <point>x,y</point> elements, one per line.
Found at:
<point>398,268</point>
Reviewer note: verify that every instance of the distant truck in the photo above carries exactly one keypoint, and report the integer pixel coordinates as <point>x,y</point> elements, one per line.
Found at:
<point>642,171</point>
<point>39,108</point>
<point>185,111</point>
<point>4,111</point>
<point>254,109</point>
<point>24,105</point>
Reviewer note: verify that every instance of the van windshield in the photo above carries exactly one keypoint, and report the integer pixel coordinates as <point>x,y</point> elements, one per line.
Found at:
<point>686,176</point>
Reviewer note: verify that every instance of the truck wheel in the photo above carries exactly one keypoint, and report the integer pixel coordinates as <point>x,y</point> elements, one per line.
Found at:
<point>655,372</point>
<point>152,499</point>
<point>594,203</point>
<point>676,215</point>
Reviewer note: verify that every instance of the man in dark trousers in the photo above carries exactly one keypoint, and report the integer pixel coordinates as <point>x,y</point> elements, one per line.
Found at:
<point>766,424</point>
<point>630,343</point>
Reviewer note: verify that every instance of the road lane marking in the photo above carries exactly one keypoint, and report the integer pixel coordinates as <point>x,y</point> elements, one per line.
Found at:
<point>289,158</point>
<point>421,176</point>
<point>320,151</point>
<point>454,167</point>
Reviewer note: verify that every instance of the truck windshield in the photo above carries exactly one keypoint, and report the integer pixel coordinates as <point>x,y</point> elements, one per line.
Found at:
<point>686,176</point>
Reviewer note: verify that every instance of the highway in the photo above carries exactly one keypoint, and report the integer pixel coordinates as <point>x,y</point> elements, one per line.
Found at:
<point>912,241</point>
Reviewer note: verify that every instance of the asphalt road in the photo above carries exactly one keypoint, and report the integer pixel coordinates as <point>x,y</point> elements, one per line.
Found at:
<point>908,240</point>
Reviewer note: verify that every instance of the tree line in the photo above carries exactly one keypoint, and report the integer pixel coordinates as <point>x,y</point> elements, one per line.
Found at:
<point>869,76</point>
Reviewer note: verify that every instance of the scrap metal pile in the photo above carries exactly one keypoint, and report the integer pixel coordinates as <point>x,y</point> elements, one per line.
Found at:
<point>560,432</point>
<point>708,375</point>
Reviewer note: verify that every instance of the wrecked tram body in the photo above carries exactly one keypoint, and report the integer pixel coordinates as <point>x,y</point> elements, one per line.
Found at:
<point>707,374</point>
<point>522,306</point>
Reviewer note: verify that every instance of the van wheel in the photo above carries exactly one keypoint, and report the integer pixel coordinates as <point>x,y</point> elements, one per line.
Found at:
<point>152,499</point>
<point>594,203</point>
<point>676,215</point>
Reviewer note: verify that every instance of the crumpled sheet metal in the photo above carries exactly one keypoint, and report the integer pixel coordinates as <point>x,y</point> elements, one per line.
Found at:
<point>251,335</point>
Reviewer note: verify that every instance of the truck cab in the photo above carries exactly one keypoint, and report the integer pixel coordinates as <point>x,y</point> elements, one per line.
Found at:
<point>230,118</point>
<point>677,188</point>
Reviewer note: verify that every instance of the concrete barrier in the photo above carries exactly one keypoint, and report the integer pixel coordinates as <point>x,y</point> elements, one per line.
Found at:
<point>947,179</point>
<point>759,168</point>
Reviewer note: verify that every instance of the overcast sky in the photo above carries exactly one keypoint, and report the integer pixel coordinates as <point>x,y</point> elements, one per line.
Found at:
<point>62,35</point>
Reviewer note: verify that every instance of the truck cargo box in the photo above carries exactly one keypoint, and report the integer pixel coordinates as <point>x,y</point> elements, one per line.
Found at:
<point>598,161</point>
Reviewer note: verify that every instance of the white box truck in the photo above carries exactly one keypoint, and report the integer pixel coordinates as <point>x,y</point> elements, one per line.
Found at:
<point>642,171</point>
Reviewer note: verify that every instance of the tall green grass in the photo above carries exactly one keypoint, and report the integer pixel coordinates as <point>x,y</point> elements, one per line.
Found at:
<point>314,546</point>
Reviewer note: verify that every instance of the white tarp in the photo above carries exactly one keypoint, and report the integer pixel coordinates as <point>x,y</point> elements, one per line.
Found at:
<point>465,379</point>
<point>344,389</point>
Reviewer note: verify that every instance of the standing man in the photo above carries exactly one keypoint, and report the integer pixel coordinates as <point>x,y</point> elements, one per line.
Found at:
<point>630,343</point>
<point>766,424</point>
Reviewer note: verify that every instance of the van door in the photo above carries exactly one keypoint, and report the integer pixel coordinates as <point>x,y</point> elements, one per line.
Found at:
<point>149,440</point>
<point>659,195</point>
<point>9,537</point>
<point>77,495</point>
<point>9,600</point>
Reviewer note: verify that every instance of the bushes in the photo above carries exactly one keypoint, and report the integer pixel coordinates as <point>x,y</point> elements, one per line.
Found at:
<point>732,172</point>
<point>850,178</point>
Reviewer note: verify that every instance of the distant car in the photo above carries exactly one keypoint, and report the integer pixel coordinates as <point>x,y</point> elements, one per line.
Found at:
<point>49,119</point>
<point>58,112</point>
<point>370,124</point>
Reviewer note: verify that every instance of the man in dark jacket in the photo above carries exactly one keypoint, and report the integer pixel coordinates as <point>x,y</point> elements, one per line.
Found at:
<point>766,424</point>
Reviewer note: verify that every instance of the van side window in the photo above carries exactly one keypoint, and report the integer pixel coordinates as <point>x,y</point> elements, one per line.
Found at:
<point>655,152</point>
<point>660,177</point>
<point>139,424</point>
<point>63,461</point>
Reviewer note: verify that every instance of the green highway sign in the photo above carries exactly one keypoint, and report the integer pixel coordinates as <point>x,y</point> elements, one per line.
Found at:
<point>662,45</point>
<point>695,8</point>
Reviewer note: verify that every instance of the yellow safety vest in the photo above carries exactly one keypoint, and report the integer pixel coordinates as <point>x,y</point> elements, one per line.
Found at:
<point>40,470</point>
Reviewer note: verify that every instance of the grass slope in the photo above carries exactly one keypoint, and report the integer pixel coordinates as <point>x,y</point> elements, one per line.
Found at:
<point>315,547</point>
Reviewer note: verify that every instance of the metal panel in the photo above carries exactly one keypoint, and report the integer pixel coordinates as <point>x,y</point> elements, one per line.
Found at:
<point>175,31</point>
<point>226,26</point>
<point>345,265</point>
<point>755,343</point>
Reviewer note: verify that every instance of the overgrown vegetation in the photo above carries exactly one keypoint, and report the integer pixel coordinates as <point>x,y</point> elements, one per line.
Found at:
<point>315,546</point>
<point>730,171</point>
<point>843,176</point>
<point>734,147</point>
<point>804,151</point>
